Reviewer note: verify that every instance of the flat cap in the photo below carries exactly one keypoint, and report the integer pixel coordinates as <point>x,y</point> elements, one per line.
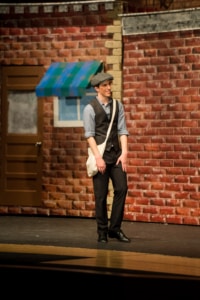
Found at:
<point>100,77</point>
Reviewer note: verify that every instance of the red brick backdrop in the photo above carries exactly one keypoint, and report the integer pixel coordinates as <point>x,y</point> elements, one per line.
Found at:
<point>40,39</point>
<point>161,95</point>
<point>161,98</point>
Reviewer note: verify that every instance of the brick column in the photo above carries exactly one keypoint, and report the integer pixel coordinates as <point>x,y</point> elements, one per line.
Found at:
<point>116,58</point>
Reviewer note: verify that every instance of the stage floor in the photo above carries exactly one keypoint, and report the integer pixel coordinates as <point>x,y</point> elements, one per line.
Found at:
<point>158,253</point>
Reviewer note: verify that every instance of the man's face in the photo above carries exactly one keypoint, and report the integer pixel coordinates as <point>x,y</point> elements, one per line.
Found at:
<point>105,88</point>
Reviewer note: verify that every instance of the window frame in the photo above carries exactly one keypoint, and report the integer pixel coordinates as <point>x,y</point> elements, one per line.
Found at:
<point>78,122</point>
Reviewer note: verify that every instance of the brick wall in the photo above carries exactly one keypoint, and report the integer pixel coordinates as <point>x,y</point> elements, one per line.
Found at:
<point>42,35</point>
<point>161,98</point>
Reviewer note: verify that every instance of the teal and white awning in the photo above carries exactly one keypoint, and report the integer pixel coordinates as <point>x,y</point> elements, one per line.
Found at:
<point>68,79</point>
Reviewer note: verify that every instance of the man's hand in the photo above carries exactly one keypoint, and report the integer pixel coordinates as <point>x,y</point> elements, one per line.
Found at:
<point>101,165</point>
<point>123,159</point>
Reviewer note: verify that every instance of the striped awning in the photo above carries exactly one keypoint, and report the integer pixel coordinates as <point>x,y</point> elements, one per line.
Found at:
<point>68,79</point>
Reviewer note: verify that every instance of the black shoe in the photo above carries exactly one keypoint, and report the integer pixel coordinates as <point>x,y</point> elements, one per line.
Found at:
<point>119,235</point>
<point>102,237</point>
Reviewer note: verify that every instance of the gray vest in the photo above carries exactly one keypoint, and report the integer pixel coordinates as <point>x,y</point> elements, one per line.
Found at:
<point>102,124</point>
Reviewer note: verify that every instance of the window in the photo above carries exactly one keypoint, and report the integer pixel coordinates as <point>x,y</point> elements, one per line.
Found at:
<point>68,111</point>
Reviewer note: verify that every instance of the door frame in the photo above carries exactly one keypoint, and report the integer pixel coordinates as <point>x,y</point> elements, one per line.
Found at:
<point>25,78</point>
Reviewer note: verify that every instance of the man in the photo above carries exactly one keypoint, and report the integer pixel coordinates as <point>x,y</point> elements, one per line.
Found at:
<point>112,165</point>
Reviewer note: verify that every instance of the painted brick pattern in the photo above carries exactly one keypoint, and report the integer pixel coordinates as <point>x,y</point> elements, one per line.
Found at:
<point>161,98</point>
<point>38,38</point>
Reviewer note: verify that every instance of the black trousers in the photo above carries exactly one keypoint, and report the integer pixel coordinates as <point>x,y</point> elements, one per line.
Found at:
<point>100,184</point>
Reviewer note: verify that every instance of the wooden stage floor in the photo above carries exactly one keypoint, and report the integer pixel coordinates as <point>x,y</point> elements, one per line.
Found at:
<point>66,249</point>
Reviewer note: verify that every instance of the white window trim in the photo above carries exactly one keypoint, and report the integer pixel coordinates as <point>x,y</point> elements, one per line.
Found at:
<point>59,123</point>
<point>66,123</point>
